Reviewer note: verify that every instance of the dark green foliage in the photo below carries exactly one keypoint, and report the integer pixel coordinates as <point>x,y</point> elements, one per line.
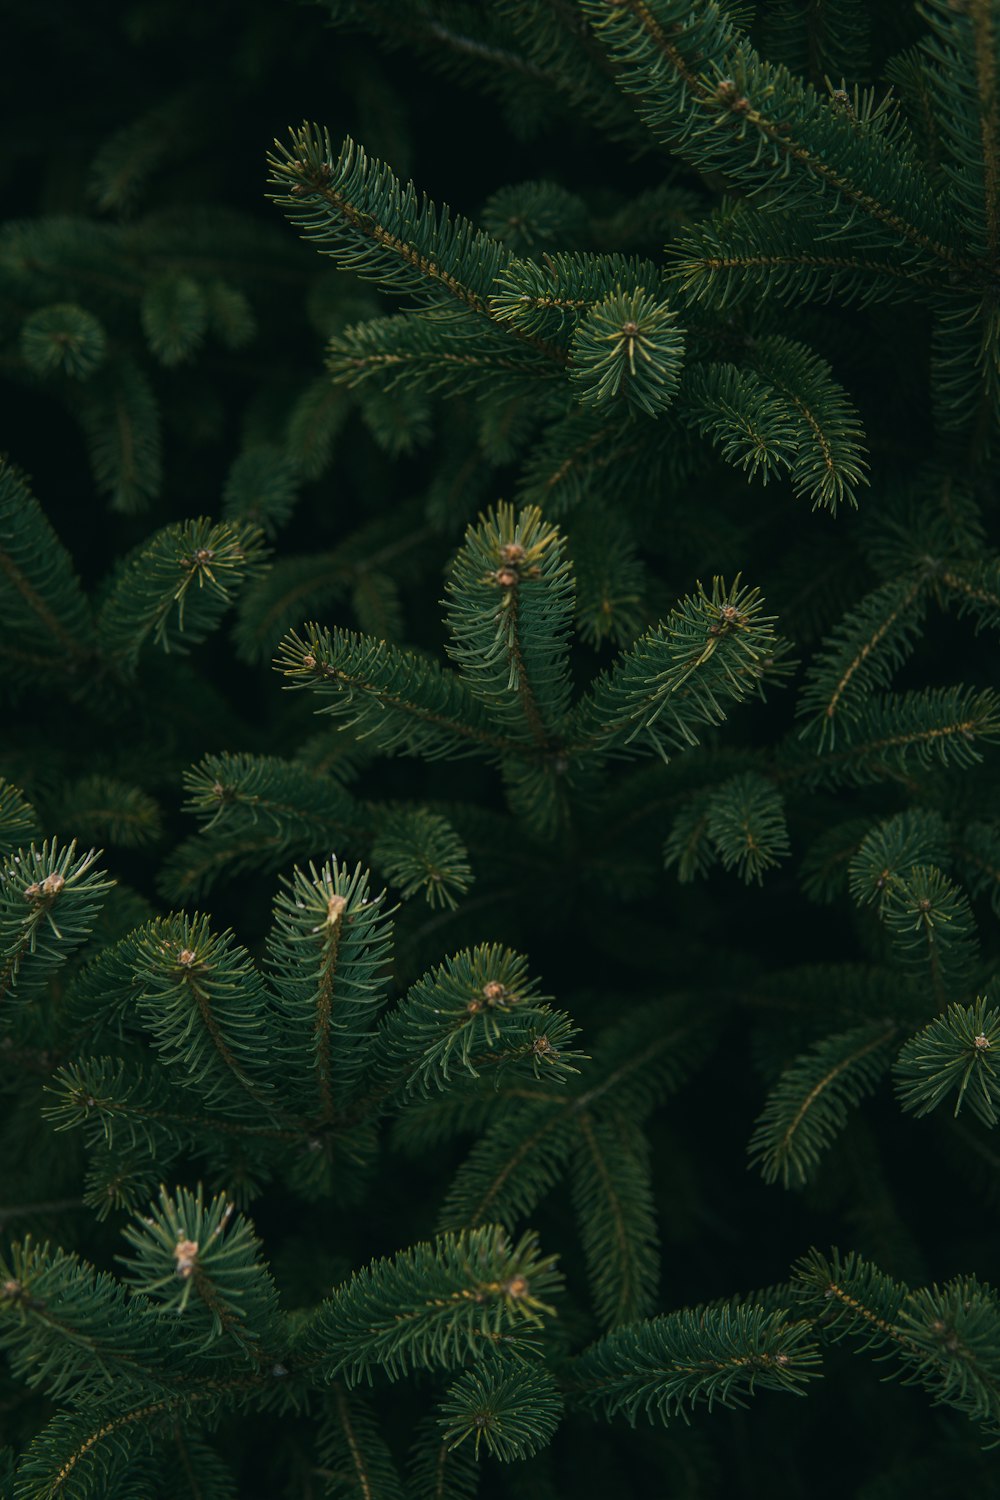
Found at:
<point>718,1356</point>
<point>512,1408</point>
<point>952,1055</point>
<point>616,504</point>
<point>809,1105</point>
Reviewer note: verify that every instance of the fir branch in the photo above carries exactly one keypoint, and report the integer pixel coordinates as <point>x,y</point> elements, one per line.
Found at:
<point>518,1158</point>
<point>49,898</point>
<point>373,224</point>
<point>203,1262</point>
<point>18,819</point>
<point>961,67</point>
<point>827,461</point>
<point>932,929</point>
<point>713,646</point>
<point>177,586</point>
<point>73,1331</point>
<point>953,1055</point>
<point>549,297</point>
<point>944,1339</point>
<point>477,1010</point>
<point>120,417</point>
<point>850,1297</point>
<point>739,254</point>
<point>327,957</point>
<point>808,1107</point>
<point>510,611</point>
<point>628,348</point>
<point>668,56</point>
<point>419,850</point>
<point>395,698</point>
<point>614,1205</point>
<point>745,820</point>
<point>415,352</point>
<point>897,733</point>
<point>203,1004</point>
<point>875,638</point>
<point>509,1406</point>
<point>350,1446</point>
<point>41,599</point>
<point>429,1307</point>
<point>669,1365</point>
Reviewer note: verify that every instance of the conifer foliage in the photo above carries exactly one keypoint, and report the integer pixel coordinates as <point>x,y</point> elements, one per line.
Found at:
<point>499,828</point>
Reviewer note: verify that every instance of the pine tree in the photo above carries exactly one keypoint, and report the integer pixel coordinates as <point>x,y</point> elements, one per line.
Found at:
<point>384,1058</point>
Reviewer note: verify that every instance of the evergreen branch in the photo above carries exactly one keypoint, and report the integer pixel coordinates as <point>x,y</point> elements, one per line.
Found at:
<point>627,348</point>
<point>827,462</point>
<point>961,68</point>
<point>358,211</point>
<point>18,819</point>
<point>479,1009</point>
<point>78,1454</point>
<point>65,338</point>
<point>702,91</point>
<point>745,820</point>
<point>174,317</point>
<point>549,297</point>
<point>820,38</point>
<point>850,1297</point>
<point>429,1307</point>
<point>49,898</point>
<point>350,1444</point>
<point>120,418</point>
<point>978,851</point>
<point>892,849</point>
<point>438,1471</point>
<point>396,699</point>
<point>510,611</point>
<point>296,586</point>
<point>931,928</point>
<point>123,1107</point>
<point>869,644</point>
<point>73,1331</point>
<point>314,425</point>
<point>667,1366</point>
<point>103,808</point>
<point>419,850</point>
<point>40,594</point>
<point>975,586</point>
<point>965,372</point>
<point>896,733</point>
<point>516,1159</point>
<point>808,1107</point>
<point>416,352</point>
<point>953,1332</point>
<point>508,1405</point>
<point>201,862</point>
<point>177,586</point>
<point>739,254</point>
<point>203,1003</point>
<point>261,488</point>
<point>614,1206</point>
<point>711,647</point>
<point>203,1263</point>
<point>944,1339</point>
<point>953,1055</point>
<point>512,1166</point>
<point>327,957</point>
<point>986,46</point>
<point>743,416</point>
<point>239,792</point>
